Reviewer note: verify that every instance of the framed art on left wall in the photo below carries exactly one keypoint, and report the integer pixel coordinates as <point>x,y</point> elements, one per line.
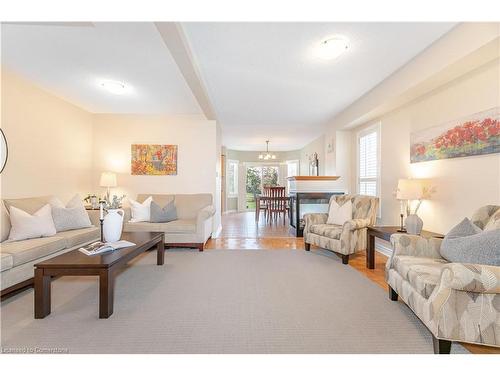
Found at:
<point>154,160</point>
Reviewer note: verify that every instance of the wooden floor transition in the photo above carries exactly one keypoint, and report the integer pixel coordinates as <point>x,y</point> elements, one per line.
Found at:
<point>240,231</point>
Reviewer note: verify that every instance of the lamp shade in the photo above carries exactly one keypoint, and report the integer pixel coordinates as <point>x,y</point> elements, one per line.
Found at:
<point>411,189</point>
<point>108,179</point>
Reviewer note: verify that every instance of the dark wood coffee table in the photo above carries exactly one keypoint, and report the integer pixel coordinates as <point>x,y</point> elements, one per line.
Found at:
<point>385,233</point>
<point>75,263</point>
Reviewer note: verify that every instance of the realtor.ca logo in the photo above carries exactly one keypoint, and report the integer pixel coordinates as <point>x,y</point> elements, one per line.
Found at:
<point>34,350</point>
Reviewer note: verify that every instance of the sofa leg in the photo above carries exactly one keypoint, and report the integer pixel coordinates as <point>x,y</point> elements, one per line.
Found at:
<point>441,346</point>
<point>345,259</point>
<point>393,296</point>
<point>201,247</point>
<point>307,246</point>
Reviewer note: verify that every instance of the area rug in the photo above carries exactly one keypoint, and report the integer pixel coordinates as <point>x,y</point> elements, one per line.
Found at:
<point>221,301</point>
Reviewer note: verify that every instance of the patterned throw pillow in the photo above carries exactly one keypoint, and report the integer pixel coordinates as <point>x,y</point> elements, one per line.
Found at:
<point>25,226</point>
<point>73,216</point>
<point>494,222</point>
<point>163,215</point>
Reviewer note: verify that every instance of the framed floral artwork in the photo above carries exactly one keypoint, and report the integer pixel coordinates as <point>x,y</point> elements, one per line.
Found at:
<point>154,160</point>
<point>477,134</point>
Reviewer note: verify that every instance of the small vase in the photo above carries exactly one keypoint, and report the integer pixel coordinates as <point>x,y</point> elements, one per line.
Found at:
<point>112,225</point>
<point>413,224</point>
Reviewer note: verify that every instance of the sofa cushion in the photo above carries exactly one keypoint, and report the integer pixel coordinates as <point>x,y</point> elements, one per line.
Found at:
<point>72,216</point>
<point>142,227</point>
<point>79,236</point>
<point>422,273</point>
<point>481,248</point>
<point>179,226</point>
<point>29,205</point>
<point>326,230</point>
<point>28,250</point>
<point>188,205</point>
<point>5,222</point>
<point>6,262</point>
<point>163,214</point>
<point>26,226</point>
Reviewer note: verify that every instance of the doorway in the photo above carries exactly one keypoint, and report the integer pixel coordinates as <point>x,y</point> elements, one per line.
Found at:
<point>256,178</point>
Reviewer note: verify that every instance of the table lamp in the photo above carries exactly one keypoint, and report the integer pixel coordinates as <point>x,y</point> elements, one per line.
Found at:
<point>108,180</point>
<point>410,190</point>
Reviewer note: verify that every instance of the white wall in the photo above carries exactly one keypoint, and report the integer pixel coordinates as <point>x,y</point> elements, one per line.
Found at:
<point>463,184</point>
<point>198,155</point>
<point>49,140</point>
<point>318,146</point>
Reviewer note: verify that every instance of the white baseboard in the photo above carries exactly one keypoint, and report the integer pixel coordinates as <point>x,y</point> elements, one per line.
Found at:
<point>383,247</point>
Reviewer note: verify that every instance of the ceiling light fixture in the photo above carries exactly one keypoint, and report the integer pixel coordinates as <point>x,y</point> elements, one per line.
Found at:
<point>333,47</point>
<point>267,155</point>
<point>115,87</point>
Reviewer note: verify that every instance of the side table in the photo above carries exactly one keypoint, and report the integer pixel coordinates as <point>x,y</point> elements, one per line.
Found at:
<point>385,232</point>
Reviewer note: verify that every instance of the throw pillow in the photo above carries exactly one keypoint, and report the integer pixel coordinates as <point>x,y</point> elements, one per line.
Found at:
<point>140,211</point>
<point>494,222</point>
<point>163,215</point>
<point>337,214</point>
<point>467,243</point>
<point>73,216</point>
<point>25,226</point>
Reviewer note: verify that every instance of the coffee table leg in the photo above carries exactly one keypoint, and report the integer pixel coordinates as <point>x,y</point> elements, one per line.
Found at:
<point>106,293</point>
<point>370,252</point>
<point>160,252</point>
<point>42,294</point>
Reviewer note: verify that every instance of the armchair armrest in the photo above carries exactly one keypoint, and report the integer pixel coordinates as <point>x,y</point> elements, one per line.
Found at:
<point>418,246</point>
<point>356,224</point>
<point>477,278</point>
<point>311,219</point>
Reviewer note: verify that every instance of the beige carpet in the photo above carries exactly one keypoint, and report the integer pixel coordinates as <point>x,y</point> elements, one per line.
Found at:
<point>222,301</point>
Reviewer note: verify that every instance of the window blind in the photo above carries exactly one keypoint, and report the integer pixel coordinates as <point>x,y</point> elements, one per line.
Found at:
<point>368,164</point>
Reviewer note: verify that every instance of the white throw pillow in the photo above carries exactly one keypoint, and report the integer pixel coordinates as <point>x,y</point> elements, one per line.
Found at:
<point>73,216</point>
<point>140,211</point>
<point>338,215</point>
<point>25,226</point>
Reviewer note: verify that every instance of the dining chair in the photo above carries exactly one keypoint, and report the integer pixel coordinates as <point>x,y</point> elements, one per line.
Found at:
<point>277,203</point>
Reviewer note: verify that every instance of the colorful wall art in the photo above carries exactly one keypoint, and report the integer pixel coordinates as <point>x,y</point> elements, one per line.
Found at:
<point>477,134</point>
<point>154,160</point>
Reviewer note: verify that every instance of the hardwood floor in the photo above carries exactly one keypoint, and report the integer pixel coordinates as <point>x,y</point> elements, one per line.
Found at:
<point>240,231</point>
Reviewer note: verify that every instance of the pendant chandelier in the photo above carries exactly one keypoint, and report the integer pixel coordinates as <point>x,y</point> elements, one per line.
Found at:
<point>267,155</point>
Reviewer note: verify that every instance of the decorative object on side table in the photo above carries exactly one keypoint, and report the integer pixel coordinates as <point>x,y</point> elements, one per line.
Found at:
<point>112,223</point>
<point>410,190</point>
<point>93,200</point>
<point>108,180</point>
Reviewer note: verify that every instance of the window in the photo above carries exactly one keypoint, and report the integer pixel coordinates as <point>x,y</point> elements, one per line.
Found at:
<point>232,178</point>
<point>292,168</point>
<point>368,161</point>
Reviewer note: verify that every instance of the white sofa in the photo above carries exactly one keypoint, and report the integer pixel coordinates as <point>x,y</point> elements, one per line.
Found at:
<point>194,223</point>
<point>19,257</point>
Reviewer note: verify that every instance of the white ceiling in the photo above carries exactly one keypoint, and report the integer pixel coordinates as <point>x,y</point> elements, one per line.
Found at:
<point>265,83</point>
<point>262,78</point>
<point>70,61</point>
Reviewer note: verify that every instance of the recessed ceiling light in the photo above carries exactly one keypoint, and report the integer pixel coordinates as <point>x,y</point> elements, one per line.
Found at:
<point>333,47</point>
<point>115,87</point>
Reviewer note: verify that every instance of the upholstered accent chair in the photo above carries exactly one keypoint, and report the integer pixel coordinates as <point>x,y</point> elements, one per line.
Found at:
<point>456,301</point>
<point>342,239</point>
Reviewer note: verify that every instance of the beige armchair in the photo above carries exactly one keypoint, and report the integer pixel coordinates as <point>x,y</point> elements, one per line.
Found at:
<point>342,239</point>
<point>455,301</point>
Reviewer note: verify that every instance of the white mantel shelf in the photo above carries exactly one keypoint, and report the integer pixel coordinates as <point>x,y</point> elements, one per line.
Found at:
<point>313,184</point>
